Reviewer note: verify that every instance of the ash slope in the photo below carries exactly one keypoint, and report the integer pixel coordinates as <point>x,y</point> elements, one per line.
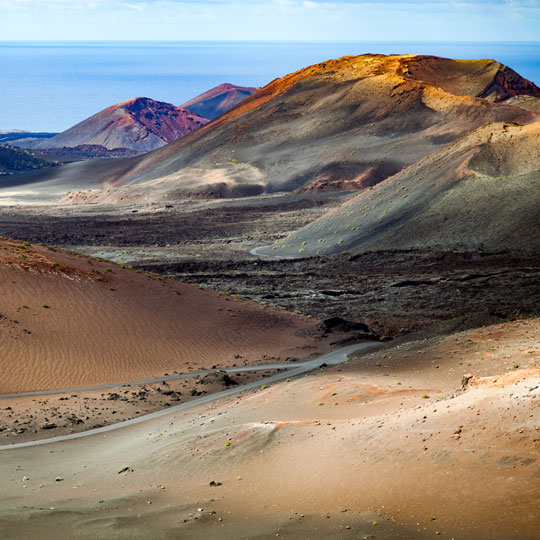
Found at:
<point>481,193</point>
<point>67,321</point>
<point>344,124</point>
<point>140,124</point>
<point>218,100</point>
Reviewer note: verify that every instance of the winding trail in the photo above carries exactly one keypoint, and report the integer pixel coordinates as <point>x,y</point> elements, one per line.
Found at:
<point>255,253</point>
<point>331,358</point>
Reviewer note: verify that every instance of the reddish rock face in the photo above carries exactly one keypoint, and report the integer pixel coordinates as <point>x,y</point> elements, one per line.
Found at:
<point>507,84</point>
<point>140,124</point>
<point>162,119</point>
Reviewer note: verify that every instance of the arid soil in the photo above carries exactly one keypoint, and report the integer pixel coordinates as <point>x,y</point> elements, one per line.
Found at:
<point>479,193</point>
<point>419,439</point>
<point>422,438</point>
<point>213,230</point>
<point>40,417</point>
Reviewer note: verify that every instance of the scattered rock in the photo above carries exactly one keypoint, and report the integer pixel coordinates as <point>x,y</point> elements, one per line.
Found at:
<point>219,376</point>
<point>465,380</point>
<point>338,324</point>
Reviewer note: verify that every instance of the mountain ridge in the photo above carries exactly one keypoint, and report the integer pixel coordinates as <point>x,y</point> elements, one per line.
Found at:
<point>327,114</point>
<point>343,124</point>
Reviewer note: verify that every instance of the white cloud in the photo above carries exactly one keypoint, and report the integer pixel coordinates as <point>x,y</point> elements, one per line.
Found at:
<point>391,20</point>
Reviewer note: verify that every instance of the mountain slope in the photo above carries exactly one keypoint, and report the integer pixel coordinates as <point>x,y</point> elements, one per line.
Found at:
<point>344,124</point>
<point>23,139</point>
<point>16,160</point>
<point>140,124</point>
<point>218,100</point>
<point>481,192</point>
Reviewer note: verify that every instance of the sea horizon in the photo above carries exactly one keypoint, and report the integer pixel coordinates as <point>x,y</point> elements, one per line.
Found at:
<point>76,79</point>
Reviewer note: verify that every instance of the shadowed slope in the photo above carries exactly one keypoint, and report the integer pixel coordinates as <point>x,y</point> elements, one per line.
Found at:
<point>14,160</point>
<point>139,124</point>
<point>481,192</point>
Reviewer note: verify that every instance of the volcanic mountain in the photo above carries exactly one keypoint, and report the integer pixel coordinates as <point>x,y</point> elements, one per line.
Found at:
<point>344,124</point>
<point>140,124</point>
<point>218,100</point>
<point>481,192</point>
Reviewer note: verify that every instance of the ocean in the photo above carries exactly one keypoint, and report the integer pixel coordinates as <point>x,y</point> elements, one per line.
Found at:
<point>52,86</point>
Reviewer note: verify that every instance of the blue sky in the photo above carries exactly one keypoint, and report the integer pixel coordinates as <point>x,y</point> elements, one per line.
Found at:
<point>392,20</point>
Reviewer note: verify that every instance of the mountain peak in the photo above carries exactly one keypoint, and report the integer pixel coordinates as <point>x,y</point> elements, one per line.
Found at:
<point>140,124</point>
<point>218,100</point>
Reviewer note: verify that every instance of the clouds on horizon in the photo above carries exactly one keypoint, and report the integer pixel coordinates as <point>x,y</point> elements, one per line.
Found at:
<point>399,20</point>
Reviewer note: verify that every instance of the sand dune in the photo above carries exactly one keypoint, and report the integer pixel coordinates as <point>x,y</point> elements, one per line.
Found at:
<point>67,321</point>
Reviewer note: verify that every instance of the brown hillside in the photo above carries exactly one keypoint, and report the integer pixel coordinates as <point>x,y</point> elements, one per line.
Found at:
<point>218,100</point>
<point>67,321</point>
